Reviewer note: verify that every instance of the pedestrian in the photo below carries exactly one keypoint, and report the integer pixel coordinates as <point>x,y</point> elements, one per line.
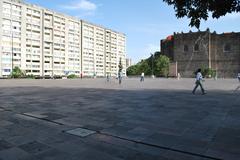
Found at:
<point>119,77</point>
<point>108,78</point>
<point>178,76</point>
<point>81,75</point>
<point>198,82</point>
<point>238,76</point>
<point>142,77</point>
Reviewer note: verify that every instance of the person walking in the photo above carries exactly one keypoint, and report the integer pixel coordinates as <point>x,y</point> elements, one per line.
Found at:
<point>199,79</point>
<point>119,77</point>
<point>238,76</point>
<point>108,77</point>
<point>142,77</point>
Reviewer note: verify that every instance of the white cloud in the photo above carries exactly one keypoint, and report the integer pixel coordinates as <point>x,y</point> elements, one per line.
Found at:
<point>81,5</point>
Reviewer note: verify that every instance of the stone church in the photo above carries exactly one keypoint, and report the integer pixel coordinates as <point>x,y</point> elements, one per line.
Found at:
<point>194,50</point>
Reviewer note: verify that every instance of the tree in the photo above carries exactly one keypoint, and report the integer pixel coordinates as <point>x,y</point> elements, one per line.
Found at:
<point>200,9</point>
<point>17,73</point>
<point>162,66</point>
<point>144,67</point>
<point>132,70</point>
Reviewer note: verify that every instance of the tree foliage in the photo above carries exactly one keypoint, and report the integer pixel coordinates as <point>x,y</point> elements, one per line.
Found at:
<point>72,76</point>
<point>17,73</point>
<point>162,66</point>
<point>200,9</point>
<point>158,64</point>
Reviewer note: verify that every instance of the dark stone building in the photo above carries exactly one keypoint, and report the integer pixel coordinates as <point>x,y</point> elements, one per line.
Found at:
<point>193,50</point>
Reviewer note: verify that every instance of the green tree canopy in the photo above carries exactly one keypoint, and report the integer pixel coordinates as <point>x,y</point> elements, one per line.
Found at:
<point>162,66</point>
<point>17,73</point>
<point>200,9</point>
<point>157,63</point>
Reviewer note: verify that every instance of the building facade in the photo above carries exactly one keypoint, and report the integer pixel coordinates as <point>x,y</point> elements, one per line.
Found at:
<point>45,43</point>
<point>128,62</point>
<point>203,49</point>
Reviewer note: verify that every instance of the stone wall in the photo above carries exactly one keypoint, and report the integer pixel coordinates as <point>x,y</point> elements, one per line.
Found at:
<point>226,62</point>
<point>195,50</point>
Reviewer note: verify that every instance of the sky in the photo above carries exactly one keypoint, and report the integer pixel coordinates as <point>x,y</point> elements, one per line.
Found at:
<point>145,22</point>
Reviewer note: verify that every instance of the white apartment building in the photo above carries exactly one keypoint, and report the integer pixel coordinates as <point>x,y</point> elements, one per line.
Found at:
<point>45,43</point>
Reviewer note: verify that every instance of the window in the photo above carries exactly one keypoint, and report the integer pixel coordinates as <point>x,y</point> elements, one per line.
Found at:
<point>185,48</point>
<point>7,70</point>
<point>227,48</point>
<point>196,47</point>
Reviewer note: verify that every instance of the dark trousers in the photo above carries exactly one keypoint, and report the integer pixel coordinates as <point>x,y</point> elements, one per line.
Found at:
<point>198,83</point>
<point>142,79</point>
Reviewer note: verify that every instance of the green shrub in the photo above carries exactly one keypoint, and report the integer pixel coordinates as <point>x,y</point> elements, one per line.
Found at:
<point>71,76</point>
<point>17,73</point>
<point>30,76</point>
<point>208,72</point>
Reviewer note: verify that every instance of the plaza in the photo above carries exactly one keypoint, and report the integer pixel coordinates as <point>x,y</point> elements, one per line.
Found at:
<point>92,119</point>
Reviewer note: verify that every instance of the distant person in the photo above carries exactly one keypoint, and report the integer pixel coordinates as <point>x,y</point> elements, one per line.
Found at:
<point>238,77</point>
<point>142,77</point>
<point>119,77</point>
<point>199,79</point>
<point>108,78</point>
<point>178,76</point>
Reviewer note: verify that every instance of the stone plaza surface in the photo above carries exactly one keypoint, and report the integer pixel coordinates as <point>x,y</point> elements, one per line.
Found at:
<point>91,119</point>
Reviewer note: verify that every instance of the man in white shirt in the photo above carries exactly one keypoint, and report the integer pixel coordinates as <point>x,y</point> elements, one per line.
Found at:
<point>142,77</point>
<point>199,79</point>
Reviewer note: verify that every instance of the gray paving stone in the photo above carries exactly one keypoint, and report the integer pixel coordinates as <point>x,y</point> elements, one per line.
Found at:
<point>36,114</point>
<point>53,116</point>
<point>34,147</point>
<point>5,123</point>
<point>13,154</point>
<point>160,115</point>
<point>5,145</point>
<point>80,132</point>
<point>53,154</point>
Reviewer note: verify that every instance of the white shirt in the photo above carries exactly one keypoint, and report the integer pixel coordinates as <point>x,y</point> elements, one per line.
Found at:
<point>142,74</point>
<point>199,76</point>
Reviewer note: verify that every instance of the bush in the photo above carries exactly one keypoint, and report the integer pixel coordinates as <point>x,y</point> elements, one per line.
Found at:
<point>71,76</point>
<point>17,73</point>
<point>30,76</point>
<point>208,72</point>
<point>162,66</point>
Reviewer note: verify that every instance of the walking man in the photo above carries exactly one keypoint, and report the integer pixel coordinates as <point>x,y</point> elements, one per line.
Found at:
<point>108,78</point>
<point>238,76</point>
<point>198,82</point>
<point>119,77</point>
<point>142,77</point>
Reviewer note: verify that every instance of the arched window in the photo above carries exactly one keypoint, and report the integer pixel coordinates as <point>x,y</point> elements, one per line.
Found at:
<point>196,47</point>
<point>227,48</point>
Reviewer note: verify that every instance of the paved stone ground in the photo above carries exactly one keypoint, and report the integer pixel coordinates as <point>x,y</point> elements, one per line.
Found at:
<point>156,120</point>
